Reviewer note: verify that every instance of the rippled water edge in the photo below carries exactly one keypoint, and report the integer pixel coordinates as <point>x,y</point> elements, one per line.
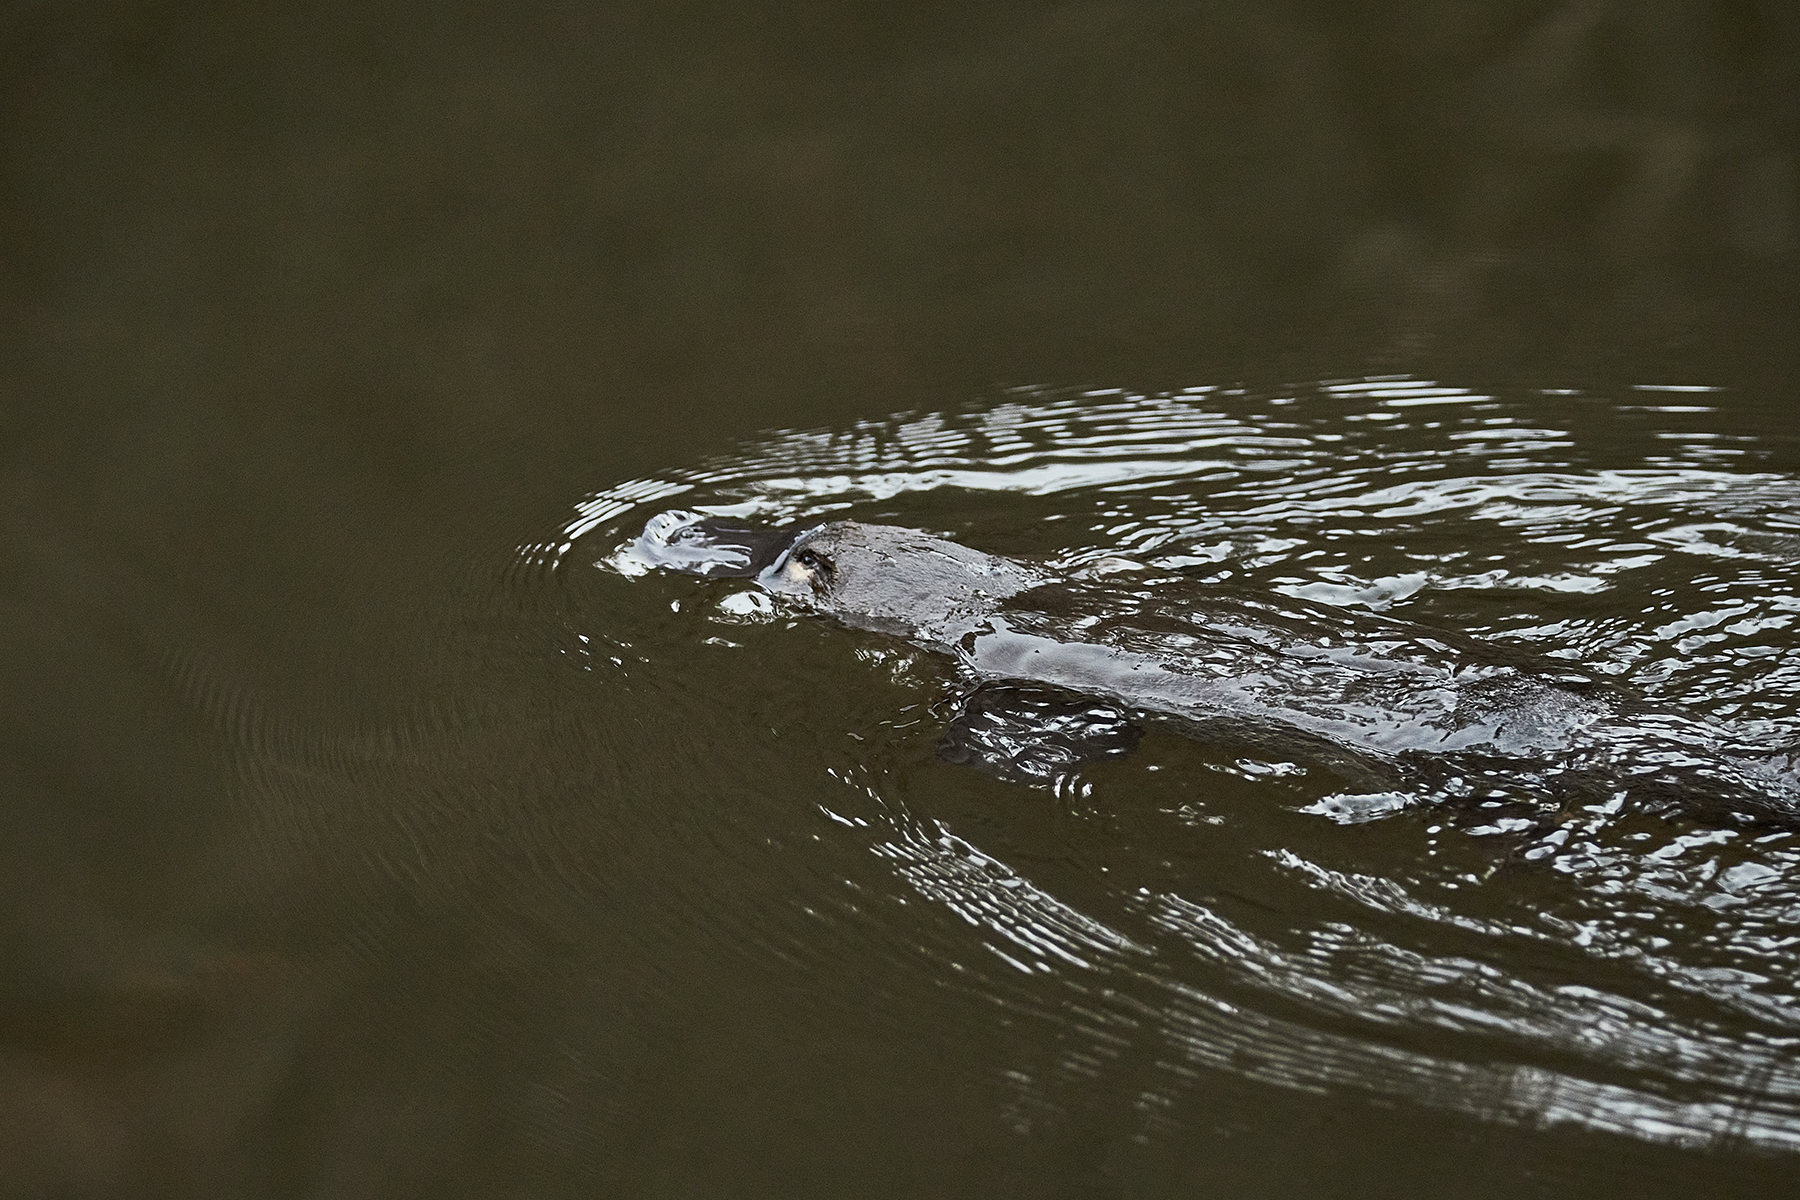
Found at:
<point>1624,974</point>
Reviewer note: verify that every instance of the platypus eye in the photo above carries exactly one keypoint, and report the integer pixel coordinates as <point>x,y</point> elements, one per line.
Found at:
<point>816,564</point>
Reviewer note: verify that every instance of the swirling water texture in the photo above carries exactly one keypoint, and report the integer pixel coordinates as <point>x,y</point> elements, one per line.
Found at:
<point>1625,974</point>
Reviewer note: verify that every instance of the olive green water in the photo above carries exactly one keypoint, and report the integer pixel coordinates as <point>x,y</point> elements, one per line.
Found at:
<point>365,834</point>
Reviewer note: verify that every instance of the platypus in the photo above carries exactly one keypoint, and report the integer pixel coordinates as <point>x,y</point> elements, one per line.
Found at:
<point>1362,692</point>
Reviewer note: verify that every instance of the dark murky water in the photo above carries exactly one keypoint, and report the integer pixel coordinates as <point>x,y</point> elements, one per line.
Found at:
<point>371,826</point>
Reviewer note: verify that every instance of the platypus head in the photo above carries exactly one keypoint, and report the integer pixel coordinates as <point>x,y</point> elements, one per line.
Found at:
<point>895,580</point>
<point>880,577</point>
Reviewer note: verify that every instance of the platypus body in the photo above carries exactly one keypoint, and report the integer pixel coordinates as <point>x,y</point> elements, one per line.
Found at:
<point>1365,693</point>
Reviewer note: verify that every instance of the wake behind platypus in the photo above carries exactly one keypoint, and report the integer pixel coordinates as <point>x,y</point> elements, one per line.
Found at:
<point>1365,694</point>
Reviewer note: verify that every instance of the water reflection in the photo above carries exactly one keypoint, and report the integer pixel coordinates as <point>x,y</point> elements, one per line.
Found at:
<point>1203,908</point>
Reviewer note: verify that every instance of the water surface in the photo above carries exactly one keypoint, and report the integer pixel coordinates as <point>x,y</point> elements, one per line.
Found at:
<point>360,836</point>
<point>1143,929</point>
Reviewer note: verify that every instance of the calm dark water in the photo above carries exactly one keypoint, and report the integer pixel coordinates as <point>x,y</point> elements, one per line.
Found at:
<point>370,828</point>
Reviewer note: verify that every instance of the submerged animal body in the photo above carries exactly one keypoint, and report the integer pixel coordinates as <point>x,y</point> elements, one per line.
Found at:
<point>1360,690</point>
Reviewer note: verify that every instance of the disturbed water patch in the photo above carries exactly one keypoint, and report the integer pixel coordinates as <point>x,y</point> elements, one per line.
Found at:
<point>1482,938</point>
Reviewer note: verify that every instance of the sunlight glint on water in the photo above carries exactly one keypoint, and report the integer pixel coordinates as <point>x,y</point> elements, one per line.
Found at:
<point>1622,972</point>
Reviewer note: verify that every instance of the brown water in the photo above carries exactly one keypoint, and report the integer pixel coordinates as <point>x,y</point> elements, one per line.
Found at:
<point>366,835</point>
